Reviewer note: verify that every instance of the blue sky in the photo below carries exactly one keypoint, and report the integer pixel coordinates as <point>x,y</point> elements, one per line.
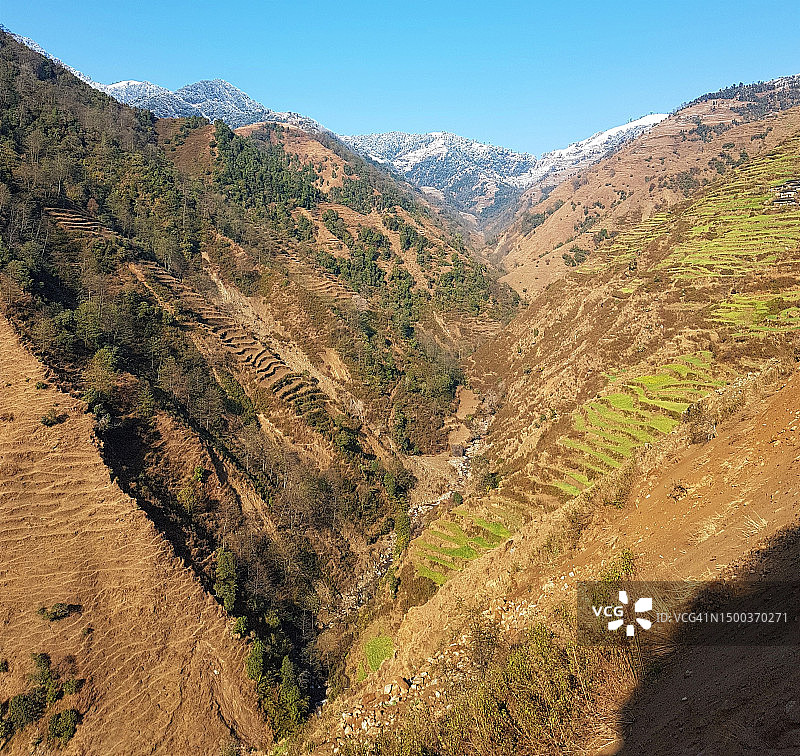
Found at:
<point>527,75</point>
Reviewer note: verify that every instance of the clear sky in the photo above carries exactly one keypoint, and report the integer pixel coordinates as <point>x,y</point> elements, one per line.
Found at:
<point>528,75</point>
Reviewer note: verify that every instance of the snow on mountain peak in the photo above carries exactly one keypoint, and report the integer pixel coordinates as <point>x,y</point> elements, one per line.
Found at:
<point>212,98</point>
<point>473,175</point>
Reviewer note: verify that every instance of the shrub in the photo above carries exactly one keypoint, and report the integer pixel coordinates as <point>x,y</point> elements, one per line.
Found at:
<point>72,686</point>
<point>58,611</point>
<point>62,726</point>
<point>187,499</point>
<point>402,528</point>
<point>3,666</point>
<point>232,746</point>
<point>26,708</point>
<point>42,674</point>
<point>53,693</point>
<point>392,581</point>
<point>53,417</point>
<point>620,567</point>
<point>240,627</point>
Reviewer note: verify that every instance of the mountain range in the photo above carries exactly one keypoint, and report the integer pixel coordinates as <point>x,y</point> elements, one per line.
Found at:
<point>477,177</point>
<point>214,99</point>
<point>478,180</point>
<point>290,464</point>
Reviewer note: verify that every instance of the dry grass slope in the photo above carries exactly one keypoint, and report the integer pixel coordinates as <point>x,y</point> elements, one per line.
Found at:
<point>163,675</point>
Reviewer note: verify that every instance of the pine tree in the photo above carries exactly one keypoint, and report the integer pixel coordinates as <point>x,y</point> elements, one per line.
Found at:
<point>225,586</point>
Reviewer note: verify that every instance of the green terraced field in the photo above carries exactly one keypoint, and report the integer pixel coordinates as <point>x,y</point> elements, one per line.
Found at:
<point>629,244</point>
<point>606,432</point>
<point>736,229</point>
<point>447,546</point>
<point>609,429</point>
<point>760,313</point>
<point>377,650</point>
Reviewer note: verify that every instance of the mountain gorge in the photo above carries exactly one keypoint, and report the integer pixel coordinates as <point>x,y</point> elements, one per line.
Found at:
<point>294,461</point>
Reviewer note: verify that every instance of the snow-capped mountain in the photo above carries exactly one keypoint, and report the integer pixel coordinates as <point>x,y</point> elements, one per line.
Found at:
<point>228,103</point>
<point>462,171</point>
<point>477,177</point>
<point>214,99</point>
<point>143,94</point>
<point>588,151</point>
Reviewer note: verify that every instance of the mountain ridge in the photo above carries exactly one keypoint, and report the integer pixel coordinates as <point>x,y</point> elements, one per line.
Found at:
<point>215,99</point>
<point>479,180</point>
<point>477,177</point>
<point>346,428</point>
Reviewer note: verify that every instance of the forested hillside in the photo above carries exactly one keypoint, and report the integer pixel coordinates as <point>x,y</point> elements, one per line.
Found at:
<point>257,344</point>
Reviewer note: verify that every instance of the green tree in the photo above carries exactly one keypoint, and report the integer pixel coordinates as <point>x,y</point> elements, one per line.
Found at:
<point>225,586</point>
<point>292,698</point>
<point>25,708</point>
<point>255,665</point>
<point>101,375</point>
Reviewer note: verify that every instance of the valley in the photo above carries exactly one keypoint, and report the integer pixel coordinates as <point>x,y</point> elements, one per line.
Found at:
<point>306,442</point>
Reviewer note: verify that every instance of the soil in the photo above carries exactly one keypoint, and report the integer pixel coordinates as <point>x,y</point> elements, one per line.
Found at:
<point>163,673</point>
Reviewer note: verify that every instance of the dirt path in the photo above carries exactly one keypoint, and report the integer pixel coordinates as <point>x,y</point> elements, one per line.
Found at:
<point>163,674</point>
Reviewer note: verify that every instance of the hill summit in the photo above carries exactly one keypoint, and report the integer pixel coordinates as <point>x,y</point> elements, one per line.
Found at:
<point>215,99</point>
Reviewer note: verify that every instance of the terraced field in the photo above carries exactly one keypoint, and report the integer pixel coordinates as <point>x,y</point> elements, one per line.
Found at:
<point>736,228</point>
<point>629,244</point>
<point>320,283</point>
<point>451,542</point>
<point>77,223</point>
<point>760,313</point>
<point>267,370</point>
<point>608,430</point>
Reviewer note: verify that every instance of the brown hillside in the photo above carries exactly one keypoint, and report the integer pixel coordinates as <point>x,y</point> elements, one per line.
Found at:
<point>638,410</point>
<point>189,148</point>
<point>651,174</point>
<point>299,142</point>
<point>162,672</point>
<point>693,512</point>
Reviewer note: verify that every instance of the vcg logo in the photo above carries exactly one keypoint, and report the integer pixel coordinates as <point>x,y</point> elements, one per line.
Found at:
<point>616,614</point>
